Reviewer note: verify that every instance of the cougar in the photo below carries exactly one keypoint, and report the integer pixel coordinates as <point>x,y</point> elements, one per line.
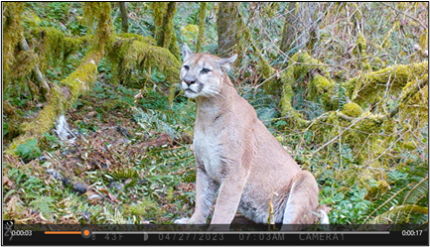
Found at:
<point>238,157</point>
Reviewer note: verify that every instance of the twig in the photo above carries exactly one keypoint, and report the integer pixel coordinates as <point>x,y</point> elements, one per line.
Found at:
<point>332,140</point>
<point>412,91</point>
<point>38,76</point>
<point>389,148</point>
<point>413,18</point>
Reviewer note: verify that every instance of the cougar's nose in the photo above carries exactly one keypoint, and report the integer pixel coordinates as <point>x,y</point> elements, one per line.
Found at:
<point>189,82</point>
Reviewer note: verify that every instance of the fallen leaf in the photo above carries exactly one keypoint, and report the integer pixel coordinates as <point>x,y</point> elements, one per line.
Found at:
<point>7,182</point>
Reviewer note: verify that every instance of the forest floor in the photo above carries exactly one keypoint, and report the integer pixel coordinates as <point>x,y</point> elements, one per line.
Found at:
<point>102,174</point>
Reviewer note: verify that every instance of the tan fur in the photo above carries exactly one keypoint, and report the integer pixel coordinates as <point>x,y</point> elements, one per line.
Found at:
<point>238,157</point>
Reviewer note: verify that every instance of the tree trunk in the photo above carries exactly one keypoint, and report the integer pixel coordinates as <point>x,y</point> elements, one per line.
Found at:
<point>38,76</point>
<point>165,32</point>
<point>11,38</point>
<point>226,21</point>
<point>299,27</point>
<point>124,17</point>
<point>201,35</point>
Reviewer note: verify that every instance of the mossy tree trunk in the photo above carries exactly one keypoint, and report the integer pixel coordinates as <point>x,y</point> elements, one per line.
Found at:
<point>202,17</point>
<point>63,96</point>
<point>165,32</point>
<point>158,10</point>
<point>12,30</point>
<point>36,73</point>
<point>124,17</point>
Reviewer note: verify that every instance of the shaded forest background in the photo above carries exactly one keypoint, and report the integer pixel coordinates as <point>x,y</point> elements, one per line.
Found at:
<point>95,129</point>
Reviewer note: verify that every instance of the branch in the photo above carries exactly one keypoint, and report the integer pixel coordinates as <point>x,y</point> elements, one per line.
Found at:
<point>416,88</point>
<point>398,11</point>
<point>36,72</point>
<point>332,140</point>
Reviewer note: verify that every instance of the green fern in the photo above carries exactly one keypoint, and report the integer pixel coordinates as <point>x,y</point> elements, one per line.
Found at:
<point>403,204</point>
<point>43,204</point>
<point>265,105</point>
<point>339,98</point>
<point>417,192</point>
<point>398,214</point>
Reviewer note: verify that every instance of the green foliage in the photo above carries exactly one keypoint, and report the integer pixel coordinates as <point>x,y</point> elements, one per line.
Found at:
<point>5,125</point>
<point>339,98</point>
<point>265,105</point>
<point>175,125</point>
<point>28,150</point>
<point>129,57</point>
<point>153,100</point>
<point>44,204</point>
<point>51,14</point>
<point>406,202</point>
<point>146,207</point>
<point>349,208</point>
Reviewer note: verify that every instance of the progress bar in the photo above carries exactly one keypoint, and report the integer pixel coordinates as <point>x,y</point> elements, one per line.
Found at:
<point>63,232</point>
<point>87,233</point>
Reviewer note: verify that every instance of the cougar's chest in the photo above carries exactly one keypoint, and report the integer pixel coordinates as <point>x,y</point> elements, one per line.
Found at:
<point>207,151</point>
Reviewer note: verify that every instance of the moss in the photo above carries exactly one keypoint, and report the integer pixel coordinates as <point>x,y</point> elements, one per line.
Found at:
<point>158,10</point>
<point>25,62</point>
<point>360,51</point>
<point>12,30</point>
<point>369,88</point>
<point>77,82</point>
<point>368,136</point>
<point>352,109</point>
<point>244,39</point>
<point>408,145</point>
<point>71,45</point>
<point>424,40</point>
<point>298,71</point>
<point>190,32</point>
<point>50,46</point>
<point>202,16</point>
<point>165,32</point>
<point>130,56</point>
<point>319,89</point>
<point>414,107</point>
<point>99,13</point>
<point>174,48</point>
<point>145,210</point>
<point>285,104</point>
<point>43,123</point>
<point>135,36</point>
<point>63,97</point>
<point>59,100</point>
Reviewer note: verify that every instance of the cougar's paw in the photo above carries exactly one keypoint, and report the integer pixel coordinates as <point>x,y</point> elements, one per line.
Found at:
<point>182,221</point>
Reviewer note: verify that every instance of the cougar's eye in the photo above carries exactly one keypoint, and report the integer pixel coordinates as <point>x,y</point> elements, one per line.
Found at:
<point>186,67</point>
<point>204,71</point>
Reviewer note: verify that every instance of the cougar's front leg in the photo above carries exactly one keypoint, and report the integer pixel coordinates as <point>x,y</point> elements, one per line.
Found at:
<point>205,194</point>
<point>236,169</point>
<point>228,199</point>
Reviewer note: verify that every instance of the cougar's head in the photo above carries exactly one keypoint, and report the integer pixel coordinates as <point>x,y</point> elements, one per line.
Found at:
<point>202,74</point>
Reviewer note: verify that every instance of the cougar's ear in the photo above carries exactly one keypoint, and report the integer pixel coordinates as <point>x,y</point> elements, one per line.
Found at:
<point>225,63</point>
<point>186,52</point>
